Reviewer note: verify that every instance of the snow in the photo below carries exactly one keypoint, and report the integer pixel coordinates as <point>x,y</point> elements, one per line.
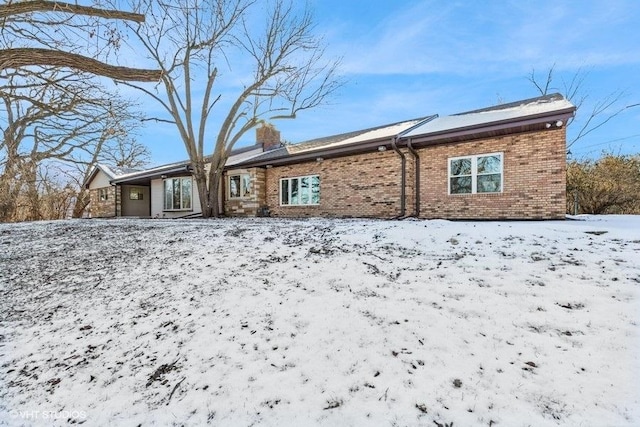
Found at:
<point>281,322</point>
<point>447,123</point>
<point>371,135</point>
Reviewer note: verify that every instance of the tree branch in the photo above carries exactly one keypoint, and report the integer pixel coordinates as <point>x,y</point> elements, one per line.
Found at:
<point>11,9</point>
<point>23,57</point>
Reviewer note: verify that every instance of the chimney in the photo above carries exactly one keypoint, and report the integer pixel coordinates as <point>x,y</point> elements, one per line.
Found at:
<point>268,136</point>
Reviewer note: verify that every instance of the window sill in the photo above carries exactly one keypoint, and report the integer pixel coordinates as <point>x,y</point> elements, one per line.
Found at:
<point>475,194</point>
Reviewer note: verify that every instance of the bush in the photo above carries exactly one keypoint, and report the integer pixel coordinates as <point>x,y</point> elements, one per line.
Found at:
<point>608,185</point>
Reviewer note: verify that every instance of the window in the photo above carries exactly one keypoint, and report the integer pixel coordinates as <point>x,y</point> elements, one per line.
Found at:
<point>239,186</point>
<point>476,174</point>
<point>300,191</point>
<point>103,194</point>
<point>135,193</point>
<point>177,194</point>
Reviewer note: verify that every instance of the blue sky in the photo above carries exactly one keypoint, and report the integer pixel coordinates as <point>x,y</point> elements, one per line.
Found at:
<point>407,59</point>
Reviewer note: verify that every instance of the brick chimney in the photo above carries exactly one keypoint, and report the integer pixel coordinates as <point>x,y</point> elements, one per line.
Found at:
<point>268,136</point>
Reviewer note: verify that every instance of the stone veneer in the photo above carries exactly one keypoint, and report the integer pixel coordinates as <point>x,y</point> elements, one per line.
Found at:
<point>246,206</point>
<point>105,208</point>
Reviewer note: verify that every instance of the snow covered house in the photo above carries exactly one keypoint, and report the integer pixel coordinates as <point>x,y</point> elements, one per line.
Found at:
<point>502,162</point>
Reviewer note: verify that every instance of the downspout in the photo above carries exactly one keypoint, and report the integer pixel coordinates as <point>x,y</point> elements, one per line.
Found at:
<point>403,179</point>
<point>416,172</point>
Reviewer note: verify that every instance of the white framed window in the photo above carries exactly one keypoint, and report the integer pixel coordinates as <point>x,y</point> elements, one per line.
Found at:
<point>178,193</point>
<point>239,186</point>
<point>476,174</point>
<point>103,194</point>
<point>300,191</point>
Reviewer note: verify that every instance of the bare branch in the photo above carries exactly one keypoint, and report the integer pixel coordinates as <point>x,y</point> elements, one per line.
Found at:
<point>24,57</point>
<point>11,9</point>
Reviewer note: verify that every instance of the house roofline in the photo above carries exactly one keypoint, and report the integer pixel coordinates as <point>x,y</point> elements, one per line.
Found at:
<point>501,125</point>
<point>472,131</point>
<point>157,172</point>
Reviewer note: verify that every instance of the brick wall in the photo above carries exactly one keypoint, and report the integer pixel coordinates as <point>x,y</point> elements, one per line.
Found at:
<point>368,185</point>
<point>364,185</point>
<point>534,183</point>
<point>268,136</point>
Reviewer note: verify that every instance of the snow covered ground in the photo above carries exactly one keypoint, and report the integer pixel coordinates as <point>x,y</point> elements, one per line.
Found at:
<point>320,322</point>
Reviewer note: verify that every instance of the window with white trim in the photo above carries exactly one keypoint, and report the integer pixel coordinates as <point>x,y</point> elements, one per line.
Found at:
<point>300,191</point>
<point>177,194</point>
<point>476,174</point>
<point>239,186</point>
<point>103,194</point>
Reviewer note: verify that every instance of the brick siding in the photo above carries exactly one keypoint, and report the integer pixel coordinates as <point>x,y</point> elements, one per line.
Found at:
<point>364,185</point>
<point>368,185</point>
<point>534,177</point>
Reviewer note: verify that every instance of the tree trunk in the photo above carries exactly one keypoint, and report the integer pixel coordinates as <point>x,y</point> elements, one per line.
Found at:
<point>82,200</point>
<point>203,192</point>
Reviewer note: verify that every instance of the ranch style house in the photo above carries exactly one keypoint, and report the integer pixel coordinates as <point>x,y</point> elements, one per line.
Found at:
<point>501,162</point>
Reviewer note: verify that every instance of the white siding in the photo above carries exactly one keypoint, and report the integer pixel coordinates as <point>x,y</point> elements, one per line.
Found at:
<point>157,201</point>
<point>101,180</point>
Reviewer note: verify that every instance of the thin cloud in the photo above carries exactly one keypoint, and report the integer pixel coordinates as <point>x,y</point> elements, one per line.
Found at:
<point>472,38</point>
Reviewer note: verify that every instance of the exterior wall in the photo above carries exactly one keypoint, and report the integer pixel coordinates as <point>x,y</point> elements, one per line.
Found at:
<point>102,208</point>
<point>139,208</point>
<point>534,178</point>
<point>157,201</point>
<point>99,181</point>
<point>246,206</point>
<point>364,185</point>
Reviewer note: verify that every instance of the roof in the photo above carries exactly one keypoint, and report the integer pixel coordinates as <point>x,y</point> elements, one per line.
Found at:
<point>528,108</point>
<point>112,172</point>
<point>344,142</point>
<point>520,116</point>
<point>132,176</point>
<point>517,116</point>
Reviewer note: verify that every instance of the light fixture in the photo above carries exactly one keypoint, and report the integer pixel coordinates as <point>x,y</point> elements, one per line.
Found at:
<point>269,166</point>
<point>559,123</point>
<point>319,159</point>
<point>547,125</point>
<point>382,148</point>
<point>163,176</point>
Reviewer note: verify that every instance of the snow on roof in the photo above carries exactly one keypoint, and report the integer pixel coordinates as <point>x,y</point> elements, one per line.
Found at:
<point>517,110</point>
<point>387,131</point>
<point>343,139</point>
<point>106,170</point>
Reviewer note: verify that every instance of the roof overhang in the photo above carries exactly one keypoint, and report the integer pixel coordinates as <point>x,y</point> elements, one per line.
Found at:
<point>499,128</point>
<point>326,153</point>
<point>144,178</point>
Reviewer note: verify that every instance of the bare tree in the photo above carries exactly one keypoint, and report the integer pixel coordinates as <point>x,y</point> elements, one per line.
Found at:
<point>121,151</point>
<point>608,185</point>
<point>46,115</point>
<point>602,110</point>
<point>53,116</point>
<point>198,44</point>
